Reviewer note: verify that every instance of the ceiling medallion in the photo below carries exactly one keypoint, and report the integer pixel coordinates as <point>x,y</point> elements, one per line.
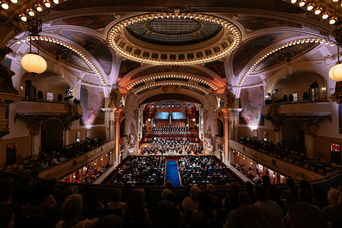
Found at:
<point>174,38</point>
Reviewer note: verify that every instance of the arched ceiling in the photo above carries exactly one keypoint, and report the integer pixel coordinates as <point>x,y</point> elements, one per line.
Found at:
<point>263,29</point>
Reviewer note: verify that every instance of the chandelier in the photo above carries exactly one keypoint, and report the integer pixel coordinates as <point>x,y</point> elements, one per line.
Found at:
<point>33,62</point>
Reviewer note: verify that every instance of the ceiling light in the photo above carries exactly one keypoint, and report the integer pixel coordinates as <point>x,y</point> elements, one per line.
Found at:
<point>30,12</point>
<point>14,1</point>
<point>47,3</point>
<point>325,15</point>
<point>23,17</point>
<point>318,10</point>
<point>310,6</point>
<point>302,3</point>
<point>293,1</point>
<point>56,1</point>
<point>4,5</point>
<point>39,7</point>
<point>332,20</point>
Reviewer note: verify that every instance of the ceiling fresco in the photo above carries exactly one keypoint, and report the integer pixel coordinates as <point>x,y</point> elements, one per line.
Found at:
<point>283,56</point>
<point>92,22</point>
<point>95,47</point>
<point>257,23</point>
<point>252,47</point>
<point>173,69</point>
<point>63,54</point>
<point>275,5</point>
<point>127,66</point>
<point>217,67</point>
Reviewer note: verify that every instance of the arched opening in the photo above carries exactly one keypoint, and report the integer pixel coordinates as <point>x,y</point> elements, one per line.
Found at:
<point>293,135</point>
<point>219,128</point>
<point>52,135</point>
<point>122,128</point>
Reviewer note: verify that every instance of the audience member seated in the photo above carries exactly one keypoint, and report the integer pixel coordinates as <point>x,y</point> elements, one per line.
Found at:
<point>203,171</point>
<point>205,212</point>
<point>136,215</point>
<point>70,211</point>
<point>270,206</point>
<point>333,212</point>
<point>141,171</point>
<point>305,215</point>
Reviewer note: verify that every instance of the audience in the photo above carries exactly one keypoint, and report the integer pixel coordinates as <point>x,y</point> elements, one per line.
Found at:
<point>70,211</point>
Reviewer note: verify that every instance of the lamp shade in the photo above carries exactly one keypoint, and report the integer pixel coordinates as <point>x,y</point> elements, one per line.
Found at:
<point>33,63</point>
<point>335,73</point>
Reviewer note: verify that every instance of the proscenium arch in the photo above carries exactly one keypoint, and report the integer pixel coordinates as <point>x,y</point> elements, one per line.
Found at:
<point>170,96</point>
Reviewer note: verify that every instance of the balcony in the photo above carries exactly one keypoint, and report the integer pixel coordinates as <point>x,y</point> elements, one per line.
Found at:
<point>302,109</point>
<point>42,108</point>
<point>70,166</point>
<point>277,164</point>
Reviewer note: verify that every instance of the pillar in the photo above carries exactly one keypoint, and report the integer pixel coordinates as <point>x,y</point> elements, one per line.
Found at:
<point>35,144</point>
<point>109,119</point>
<point>66,137</point>
<point>309,146</point>
<point>226,135</point>
<point>117,135</point>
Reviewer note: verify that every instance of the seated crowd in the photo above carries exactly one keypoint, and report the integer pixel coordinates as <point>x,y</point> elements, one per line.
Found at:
<point>44,205</point>
<point>141,171</point>
<point>173,146</point>
<point>202,171</point>
<point>170,130</point>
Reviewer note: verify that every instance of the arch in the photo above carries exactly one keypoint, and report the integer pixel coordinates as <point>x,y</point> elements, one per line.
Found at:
<point>293,134</point>
<point>171,96</point>
<point>52,135</point>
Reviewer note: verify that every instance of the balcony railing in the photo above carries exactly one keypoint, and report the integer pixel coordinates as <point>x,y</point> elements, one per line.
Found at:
<point>276,164</point>
<point>70,166</point>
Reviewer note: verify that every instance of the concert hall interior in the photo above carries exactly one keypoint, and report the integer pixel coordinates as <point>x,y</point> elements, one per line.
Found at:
<point>214,94</point>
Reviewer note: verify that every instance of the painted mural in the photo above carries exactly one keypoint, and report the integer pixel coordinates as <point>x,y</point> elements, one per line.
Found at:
<point>217,67</point>
<point>283,56</point>
<point>252,47</point>
<point>98,49</point>
<point>127,66</point>
<point>252,100</point>
<point>93,22</point>
<point>257,23</point>
<point>92,100</point>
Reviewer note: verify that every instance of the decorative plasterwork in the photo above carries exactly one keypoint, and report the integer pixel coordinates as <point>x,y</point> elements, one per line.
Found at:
<point>173,76</point>
<point>134,49</point>
<point>35,122</point>
<point>72,48</point>
<point>285,45</point>
<point>206,92</point>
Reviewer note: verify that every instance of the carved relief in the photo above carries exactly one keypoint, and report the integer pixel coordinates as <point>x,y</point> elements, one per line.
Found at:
<point>115,98</point>
<point>36,122</point>
<point>228,98</point>
<point>273,114</point>
<point>172,88</point>
<point>209,141</point>
<point>6,84</point>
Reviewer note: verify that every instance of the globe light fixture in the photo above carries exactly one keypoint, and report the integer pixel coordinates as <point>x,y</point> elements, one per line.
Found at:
<point>33,62</point>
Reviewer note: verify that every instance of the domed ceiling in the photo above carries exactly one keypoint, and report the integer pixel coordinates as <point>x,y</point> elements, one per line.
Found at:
<point>219,42</point>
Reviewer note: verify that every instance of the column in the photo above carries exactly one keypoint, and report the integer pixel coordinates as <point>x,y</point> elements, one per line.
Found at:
<point>66,137</point>
<point>109,118</point>
<point>35,144</point>
<point>309,146</point>
<point>117,135</point>
<point>226,135</point>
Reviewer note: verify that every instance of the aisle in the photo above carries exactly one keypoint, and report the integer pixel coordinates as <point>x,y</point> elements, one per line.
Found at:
<point>171,172</point>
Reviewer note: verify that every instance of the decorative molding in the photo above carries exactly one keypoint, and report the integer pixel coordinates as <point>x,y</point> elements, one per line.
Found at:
<point>36,122</point>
